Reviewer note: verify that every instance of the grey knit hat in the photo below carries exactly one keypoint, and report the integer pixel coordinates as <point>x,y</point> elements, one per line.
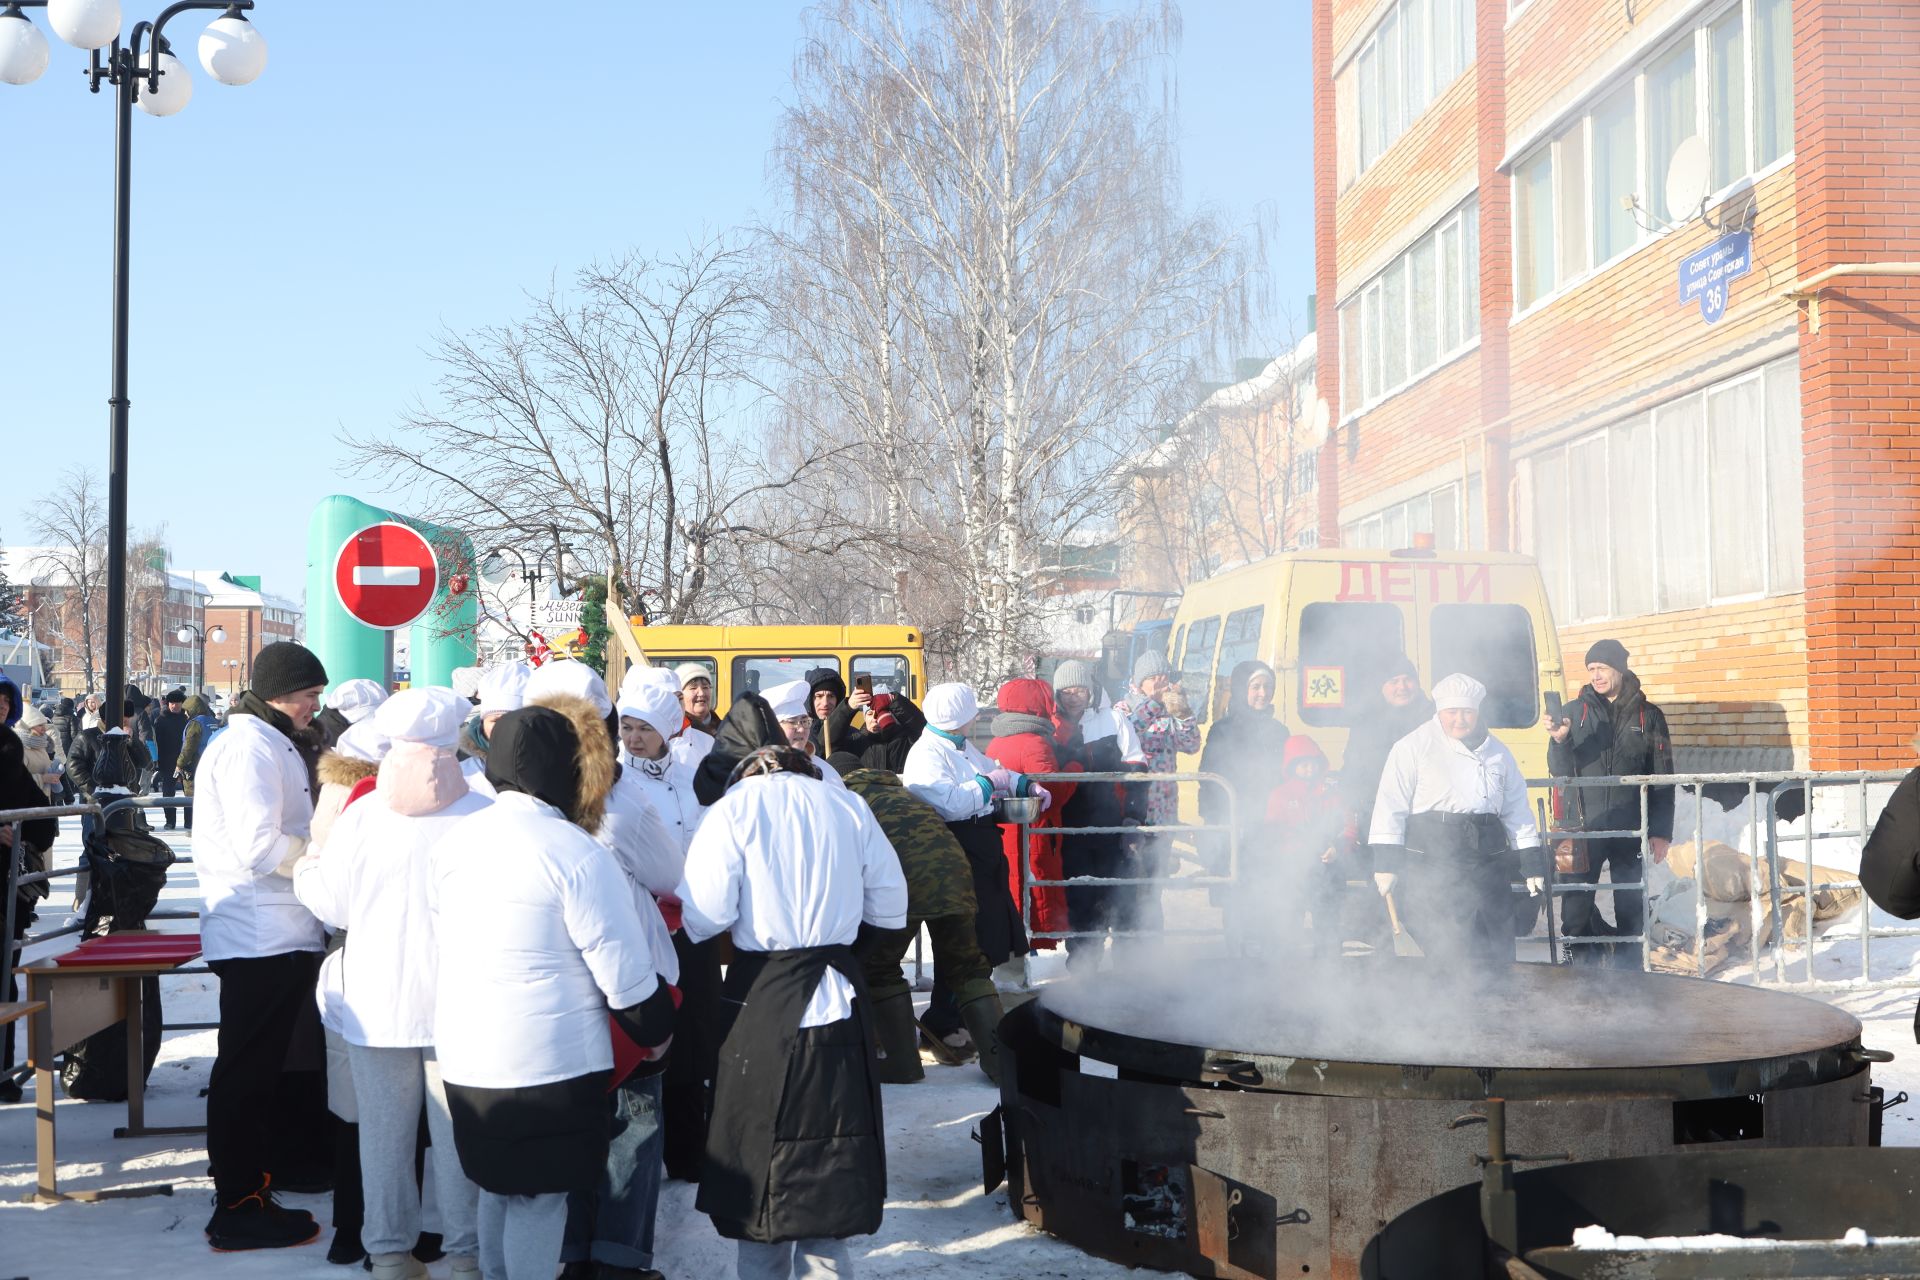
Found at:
<point>1150,663</point>
<point>1074,673</point>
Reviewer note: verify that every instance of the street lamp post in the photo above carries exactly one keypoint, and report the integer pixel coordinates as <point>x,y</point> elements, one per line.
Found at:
<point>232,665</point>
<point>190,634</point>
<point>232,53</point>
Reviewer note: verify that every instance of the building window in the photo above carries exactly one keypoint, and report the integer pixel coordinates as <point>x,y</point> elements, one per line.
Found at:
<point>1574,194</point>
<point>1660,511</point>
<point>1437,512</point>
<point>1417,51</point>
<point>1418,313</point>
<point>1305,472</point>
<point>1307,539</point>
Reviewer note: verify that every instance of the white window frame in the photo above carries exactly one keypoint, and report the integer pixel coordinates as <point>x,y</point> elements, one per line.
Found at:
<point>1440,74</point>
<point>1463,219</point>
<point>1697,31</point>
<point>1548,506</point>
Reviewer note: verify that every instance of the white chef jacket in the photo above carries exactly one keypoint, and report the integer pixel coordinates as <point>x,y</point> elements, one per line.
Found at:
<point>788,862</point>
<point>948,775</point>
<point>639,838</point>
<point>373,881</point>
<point>690,746</point>
<point>251,798</point>
<point>670,795</point>
<point>537,938</point>
<point>1428,772</point>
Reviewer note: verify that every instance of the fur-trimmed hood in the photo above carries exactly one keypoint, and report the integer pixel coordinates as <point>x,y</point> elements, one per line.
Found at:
<point>593,758</point>
<point>344,771</point>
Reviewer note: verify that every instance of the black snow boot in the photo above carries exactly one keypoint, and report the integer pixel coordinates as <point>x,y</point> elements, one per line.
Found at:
<point>258,1221</point>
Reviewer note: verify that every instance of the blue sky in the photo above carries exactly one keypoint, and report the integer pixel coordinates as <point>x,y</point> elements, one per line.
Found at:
<point>404,167</point>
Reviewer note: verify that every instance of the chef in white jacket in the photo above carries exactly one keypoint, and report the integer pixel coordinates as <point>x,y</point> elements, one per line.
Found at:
<point>649,717</point>
<point>374,880</point>
<point>793,866</point>
<point>1452,831</point>
<point>254,800</point>
<point>539,940</point>
<point>789,703</point>
<point>502,689</point>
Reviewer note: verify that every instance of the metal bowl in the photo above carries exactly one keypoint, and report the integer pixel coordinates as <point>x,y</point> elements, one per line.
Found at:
<point>1019,808</point>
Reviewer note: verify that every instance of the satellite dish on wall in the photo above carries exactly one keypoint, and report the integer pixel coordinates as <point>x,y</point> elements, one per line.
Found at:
<point>1688,179</point>
<point>1322,421</point>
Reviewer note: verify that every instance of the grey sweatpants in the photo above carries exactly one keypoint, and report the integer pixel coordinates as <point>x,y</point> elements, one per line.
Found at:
<point>389,1086</point>
<point>520,1236</point>
<point>798,1259</point>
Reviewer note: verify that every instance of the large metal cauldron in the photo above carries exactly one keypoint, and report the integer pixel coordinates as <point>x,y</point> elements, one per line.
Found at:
<point>1195,1116</point>
<point>1790,1212</point>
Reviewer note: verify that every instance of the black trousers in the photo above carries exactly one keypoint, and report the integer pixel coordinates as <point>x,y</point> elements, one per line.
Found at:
<point>261,1002</point>
<point>1579,912</point>
<point>168,785</point>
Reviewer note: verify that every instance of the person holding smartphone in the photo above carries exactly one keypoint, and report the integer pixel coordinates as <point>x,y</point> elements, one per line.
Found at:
<point>1610,730</point>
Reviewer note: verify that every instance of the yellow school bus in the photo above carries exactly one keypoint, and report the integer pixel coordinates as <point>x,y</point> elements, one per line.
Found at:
<point>1329,621</point>
<point>758,658</point>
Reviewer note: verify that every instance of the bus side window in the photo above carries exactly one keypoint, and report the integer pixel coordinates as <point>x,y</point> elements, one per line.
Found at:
<point>889,671</point>
<point>1239,642</point>
<point>1343,649</point>
<point>1196,666</point>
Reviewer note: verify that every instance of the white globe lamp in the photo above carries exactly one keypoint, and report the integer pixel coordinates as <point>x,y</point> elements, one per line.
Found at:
<point>85,24</point>
<point>23,50</point>
<point>233,51</point>
<point>175,91</point>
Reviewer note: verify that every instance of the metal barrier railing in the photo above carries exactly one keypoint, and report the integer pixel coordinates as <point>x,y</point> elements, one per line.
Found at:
<point>1768,948</point>
<point>14,880</point>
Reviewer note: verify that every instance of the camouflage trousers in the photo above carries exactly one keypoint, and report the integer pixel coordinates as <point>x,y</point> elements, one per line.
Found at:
<point>958,964</point>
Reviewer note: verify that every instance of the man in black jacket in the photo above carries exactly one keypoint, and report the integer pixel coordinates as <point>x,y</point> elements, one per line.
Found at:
<point>169,730</point>
<point>1611,730</point>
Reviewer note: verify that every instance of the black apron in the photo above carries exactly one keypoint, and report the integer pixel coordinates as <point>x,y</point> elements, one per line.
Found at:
<point>1455,894</point>
<point>532,1140</point>
<point>997,921</point>
<point>796,1149</point>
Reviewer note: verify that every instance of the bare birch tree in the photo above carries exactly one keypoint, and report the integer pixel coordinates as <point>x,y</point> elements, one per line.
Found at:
<point>70,523</point>
<point>990,281</point>
<point>618,412</point>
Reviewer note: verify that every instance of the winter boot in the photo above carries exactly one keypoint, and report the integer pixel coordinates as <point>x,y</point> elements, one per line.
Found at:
<point>982,1017</point>
<point>258,1221</point>
<point>899,1045</point>
<point>398,1266</point>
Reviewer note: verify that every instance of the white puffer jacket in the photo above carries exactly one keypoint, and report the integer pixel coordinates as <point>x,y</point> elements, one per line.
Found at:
<point>373,880</point>
<point>251,801</point>
<point>538,936</point>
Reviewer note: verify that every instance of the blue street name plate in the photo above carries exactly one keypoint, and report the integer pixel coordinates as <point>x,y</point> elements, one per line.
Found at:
<point>1710,273</point>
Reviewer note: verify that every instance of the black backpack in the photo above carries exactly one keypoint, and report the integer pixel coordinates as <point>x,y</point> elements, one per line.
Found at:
<point>127,867</point>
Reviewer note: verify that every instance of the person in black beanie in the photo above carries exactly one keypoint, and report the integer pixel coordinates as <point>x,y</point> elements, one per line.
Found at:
<point>169,730</point>
<point>1611,730</point>
<point>254,793</point>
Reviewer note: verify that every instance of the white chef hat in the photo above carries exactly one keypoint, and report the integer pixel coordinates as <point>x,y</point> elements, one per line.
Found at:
<point>431,715</point>
<point>364,741</point>
<point>356,699</point>
<point>951,707</point>
<point>1459,692</point>
<point>687,672</point>
<point>570,678</point>
<point>466,681</point>
<point>787,700</point>
<point>652,703</point>
<point>649,678</point>
<point>504,688</point>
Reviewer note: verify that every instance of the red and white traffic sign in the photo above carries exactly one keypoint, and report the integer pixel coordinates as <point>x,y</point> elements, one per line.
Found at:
<point>386,576</point>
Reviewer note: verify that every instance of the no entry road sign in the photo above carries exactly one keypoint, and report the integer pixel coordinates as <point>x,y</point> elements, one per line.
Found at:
<point>385,575</point>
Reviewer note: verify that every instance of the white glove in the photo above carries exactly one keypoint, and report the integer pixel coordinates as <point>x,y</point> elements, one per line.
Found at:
<point>296,847</point>
<point>1384,881</point>
<point>1536,885</point>
<point>1044,796</point>
<point>1004,781</point>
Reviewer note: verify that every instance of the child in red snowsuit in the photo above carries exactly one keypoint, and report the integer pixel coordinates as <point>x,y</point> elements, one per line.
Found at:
<point>1311,833</point>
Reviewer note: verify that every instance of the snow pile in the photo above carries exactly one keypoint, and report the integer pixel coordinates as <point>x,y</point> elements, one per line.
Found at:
<point>1597,1237</point>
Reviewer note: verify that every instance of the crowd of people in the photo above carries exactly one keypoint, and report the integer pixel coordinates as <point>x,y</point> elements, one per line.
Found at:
<point>563,941</point>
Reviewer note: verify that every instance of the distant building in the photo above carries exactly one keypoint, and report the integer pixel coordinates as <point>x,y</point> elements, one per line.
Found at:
<point>251,619</point>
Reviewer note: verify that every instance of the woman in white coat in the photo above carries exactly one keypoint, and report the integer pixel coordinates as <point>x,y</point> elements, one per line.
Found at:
<point>539,939</point>
<point>373,880</point>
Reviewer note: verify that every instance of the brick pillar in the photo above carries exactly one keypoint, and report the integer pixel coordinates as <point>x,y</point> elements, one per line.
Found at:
<point>1326,178</point>
<point>1857,165</point>
<point>1496,260</point>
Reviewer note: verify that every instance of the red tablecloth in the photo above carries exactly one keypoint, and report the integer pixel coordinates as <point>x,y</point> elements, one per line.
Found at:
<point>118,949</point>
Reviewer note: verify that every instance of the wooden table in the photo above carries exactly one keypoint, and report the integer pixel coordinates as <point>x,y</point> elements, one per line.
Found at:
<point>78,994</point>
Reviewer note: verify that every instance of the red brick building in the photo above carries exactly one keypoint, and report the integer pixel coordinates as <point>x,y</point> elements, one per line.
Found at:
<point>1510,358</point>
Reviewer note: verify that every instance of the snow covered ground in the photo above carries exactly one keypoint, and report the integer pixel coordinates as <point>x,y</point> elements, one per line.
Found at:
<point>937,1220</point>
